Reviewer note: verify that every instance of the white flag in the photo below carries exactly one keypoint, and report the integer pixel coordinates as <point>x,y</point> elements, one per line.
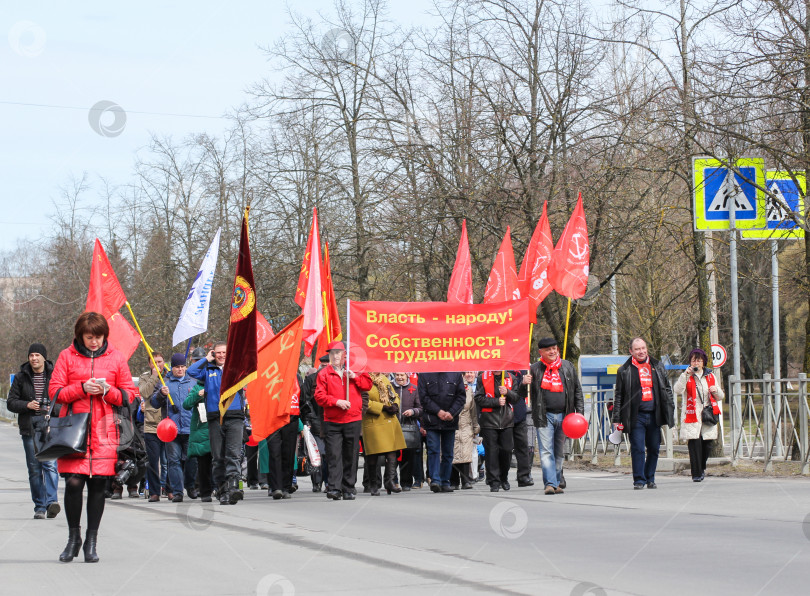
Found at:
<point>194,317</point>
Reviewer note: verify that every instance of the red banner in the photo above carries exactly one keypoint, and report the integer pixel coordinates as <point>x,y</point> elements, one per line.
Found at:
<point>437,337</point>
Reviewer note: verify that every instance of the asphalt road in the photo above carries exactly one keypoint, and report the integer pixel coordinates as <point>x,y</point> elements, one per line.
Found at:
<point>723,536</point>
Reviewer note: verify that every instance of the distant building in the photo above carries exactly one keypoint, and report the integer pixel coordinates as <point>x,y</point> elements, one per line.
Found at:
<point>17,293</point>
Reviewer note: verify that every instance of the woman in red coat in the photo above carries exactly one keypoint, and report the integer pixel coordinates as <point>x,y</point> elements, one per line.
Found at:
<point>90,376</point>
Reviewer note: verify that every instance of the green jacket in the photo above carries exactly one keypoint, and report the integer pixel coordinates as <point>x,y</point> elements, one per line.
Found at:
<point>198,443</point>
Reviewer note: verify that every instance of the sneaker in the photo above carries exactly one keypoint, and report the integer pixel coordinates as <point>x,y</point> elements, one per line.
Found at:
<point>264,486</point>
<point>53,510</point>
<point>178,498</point>
<point>117,494</point>
<point>285,495</point>
<point>549,490</point>
<point>348,496</point>
<point>254,487</point>
<point>638,486</point>
<point>39,515</point>
<point>698,479</point>
<point>133,494</point>
<point>236,496</point>
<point>652,485</point>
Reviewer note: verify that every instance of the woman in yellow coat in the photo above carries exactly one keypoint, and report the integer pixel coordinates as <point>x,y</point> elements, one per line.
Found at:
<point>382,434</point>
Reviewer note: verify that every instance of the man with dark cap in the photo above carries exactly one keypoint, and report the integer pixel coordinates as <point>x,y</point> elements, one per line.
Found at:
<point>28,397</point>
<point>178,385</point>
<point>643,402</point>
<point>442,395</point>
<point>312,416</point>
<point>556,392</point>
<point>340,393</point>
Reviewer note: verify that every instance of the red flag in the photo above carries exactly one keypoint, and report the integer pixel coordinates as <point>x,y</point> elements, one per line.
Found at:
<point>460,289</point>
<point>569,266</point>
<point>270,396</point>
<point>264,331</point>
<point>533,275</point>
<point>331,316</point>
<point>105,295</point>
<point>240,364</point>
<point>503,281</point>
<point>308,294</point>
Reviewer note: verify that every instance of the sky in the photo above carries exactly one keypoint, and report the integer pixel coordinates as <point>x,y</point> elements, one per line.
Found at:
<point>166,68</point>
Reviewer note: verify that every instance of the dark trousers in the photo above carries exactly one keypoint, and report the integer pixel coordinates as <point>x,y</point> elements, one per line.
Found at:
<point>520,436</point>
<point>376,479</point>
<point>410,466</point>
<point>204,465</point>
<point>321,473</point>
<point>461,474</point>
<point>154,446</point>
<point>698,455</point>
<point>498,445</point>
<point>342,450</point>
<point>252,457</point>
<point>226,449</point>
<point>645,436</point>
<point>281,445</point>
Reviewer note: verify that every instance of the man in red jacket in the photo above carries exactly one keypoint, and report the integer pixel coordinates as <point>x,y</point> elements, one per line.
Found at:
<point>342,416</point>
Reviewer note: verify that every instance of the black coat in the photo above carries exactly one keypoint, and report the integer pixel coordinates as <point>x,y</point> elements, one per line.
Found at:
<point>22,392</point>
<point>521,411</point>
<point>573,392</point>
<point>625,405</point>
<point>311,411</point>
<point>490,413</point>
<point>441,391</point>
<point>408,399</point>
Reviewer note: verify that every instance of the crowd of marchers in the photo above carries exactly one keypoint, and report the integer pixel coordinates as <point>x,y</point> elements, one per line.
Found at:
<point>443,431</point>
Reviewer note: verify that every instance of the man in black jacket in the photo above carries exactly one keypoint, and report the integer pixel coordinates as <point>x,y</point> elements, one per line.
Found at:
<point>496,396</point>
<point>28,397</point>
<point>312,415</point>
<point>556,392</point>
<point>442,396</point>
<point>643,402</point>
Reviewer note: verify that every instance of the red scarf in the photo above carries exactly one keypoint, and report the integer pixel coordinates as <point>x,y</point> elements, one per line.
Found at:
<point>551,378</point>
<point>488,379</point>
<point>645,376</point>
<point>691,395</point>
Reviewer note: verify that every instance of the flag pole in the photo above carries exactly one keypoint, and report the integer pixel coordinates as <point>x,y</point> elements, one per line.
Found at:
<point>188,347</point>
<point>148,350</point>
<point>529,388</point>
<point>348,343</point>
<point>567,318</point>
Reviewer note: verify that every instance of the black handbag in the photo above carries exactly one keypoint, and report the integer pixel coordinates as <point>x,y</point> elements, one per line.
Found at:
<point>708,416</point>
<point>410,430</point>
<point>57,437</point>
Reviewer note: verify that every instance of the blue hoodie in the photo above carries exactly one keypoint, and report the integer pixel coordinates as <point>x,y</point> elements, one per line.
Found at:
<point>211,377</point>
<point>179,388</point>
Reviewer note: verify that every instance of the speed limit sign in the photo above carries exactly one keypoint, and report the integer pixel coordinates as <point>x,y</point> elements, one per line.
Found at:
<point>719,355</point>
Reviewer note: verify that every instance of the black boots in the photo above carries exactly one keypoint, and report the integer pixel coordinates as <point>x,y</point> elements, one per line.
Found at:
<point>391,473</point>
<point>90,555</point>
<point>74,543</point>
<point>236,493</point>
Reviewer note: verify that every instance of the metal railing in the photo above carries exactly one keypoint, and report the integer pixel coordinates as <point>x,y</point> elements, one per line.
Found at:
<point>600,426</point>
<point>5,415</point>
<point>769,420</point>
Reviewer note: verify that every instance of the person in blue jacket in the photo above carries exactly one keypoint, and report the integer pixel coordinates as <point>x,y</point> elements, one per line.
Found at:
<point>177,384</point>
<point>225,435</point>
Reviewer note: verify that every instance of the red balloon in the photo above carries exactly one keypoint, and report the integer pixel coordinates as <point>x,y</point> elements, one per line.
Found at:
<point>252,441</point>
<point>575,425</point>
<point>166,430</point>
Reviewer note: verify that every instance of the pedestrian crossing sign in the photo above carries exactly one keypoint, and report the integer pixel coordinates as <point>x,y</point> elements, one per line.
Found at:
<point>718,187</point>
<point>784,189</point>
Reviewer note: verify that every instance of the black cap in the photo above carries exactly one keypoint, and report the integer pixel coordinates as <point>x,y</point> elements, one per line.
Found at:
<point>547,342</point>
<point>324,359</point>
<point>178,359</point>
<point>198,353</point>
<point>38,349</point>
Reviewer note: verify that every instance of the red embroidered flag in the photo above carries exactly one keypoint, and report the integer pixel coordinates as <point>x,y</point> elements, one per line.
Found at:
<point>241,361</point>
<point>533,274</point>
<point>460,289</point>
<point>569,266</point>
<point>502,285</point>
<point>271,397</point>
<point>264,331</point>
<point>105,295</point>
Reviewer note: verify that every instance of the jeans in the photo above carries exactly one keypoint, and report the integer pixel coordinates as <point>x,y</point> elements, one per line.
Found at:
<point>440,445</point>
<point>226,449</point>
<point>42,477</point>
<point>552,448</point>
<point>182,470</point>
<point>644,433</point>
<point>154,447</point>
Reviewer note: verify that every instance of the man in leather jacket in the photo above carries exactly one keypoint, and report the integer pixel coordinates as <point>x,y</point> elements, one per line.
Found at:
<point>496,396</point>
<point>643,402</point>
